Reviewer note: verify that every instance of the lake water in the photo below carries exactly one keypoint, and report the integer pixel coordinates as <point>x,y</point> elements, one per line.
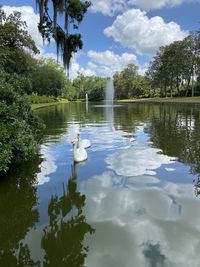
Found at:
<point>134,202</point>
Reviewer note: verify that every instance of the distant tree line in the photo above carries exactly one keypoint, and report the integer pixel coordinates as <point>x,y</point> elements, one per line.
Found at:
<point>175,69</point>
<point>129,84</point>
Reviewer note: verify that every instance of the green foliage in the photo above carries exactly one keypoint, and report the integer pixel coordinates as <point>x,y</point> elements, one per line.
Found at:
<point>49,78</point>
<point>73,12</point>
<point>14,33</point>
<point>175,66</point>
<point>21,83</point>
<point>129,84</point>
<point>16,60</point>
<point>19,127</point>
<point>37,99</point>
<point>14,38</point>
<point>93,86</point>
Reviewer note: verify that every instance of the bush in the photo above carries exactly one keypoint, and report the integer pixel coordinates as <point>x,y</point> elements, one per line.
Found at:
<point>34,98</point>
<point>19,127</point>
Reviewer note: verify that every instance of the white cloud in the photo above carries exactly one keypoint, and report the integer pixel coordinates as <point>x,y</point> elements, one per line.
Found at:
<point>155,4</point>
<point>111,7</point>
<point>134,29</point>
<point>108,62</point>
<point>108,7</point>
<point>75,68</point>
<point>31,18</point>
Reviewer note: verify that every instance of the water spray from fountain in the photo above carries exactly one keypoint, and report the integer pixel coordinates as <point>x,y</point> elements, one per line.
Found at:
<point>109,92</point>
<point>86,102</point>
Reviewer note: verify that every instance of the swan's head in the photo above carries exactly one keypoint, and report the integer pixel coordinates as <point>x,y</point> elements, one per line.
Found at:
<point>73,142</point>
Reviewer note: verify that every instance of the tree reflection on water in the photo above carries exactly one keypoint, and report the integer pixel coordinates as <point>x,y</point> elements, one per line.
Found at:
<point>18,214</point>
<point>63,239</point>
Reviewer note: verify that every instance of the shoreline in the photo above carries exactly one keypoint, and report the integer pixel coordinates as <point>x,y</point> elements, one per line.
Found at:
<point>43,105</point>
<point>191,101</point>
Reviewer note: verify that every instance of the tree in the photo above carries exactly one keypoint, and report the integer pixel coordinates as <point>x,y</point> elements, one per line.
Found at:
<point>192,52</point>
<point>128,83</point>
<point>91,85</point>
<point>73,12</point>
<point>49,78</point>
<point>14,33</point>
<point>19,126</point>
<point>175,65</point>
<point>14,41</point>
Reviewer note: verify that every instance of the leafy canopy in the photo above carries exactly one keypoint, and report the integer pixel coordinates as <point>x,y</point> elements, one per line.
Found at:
<point>14,33</point>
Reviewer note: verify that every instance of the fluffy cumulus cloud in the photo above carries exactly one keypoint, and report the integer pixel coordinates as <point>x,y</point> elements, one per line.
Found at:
<point>111,7</point>
<point>134,29</point>
<point>108,7</point>
<point>31,19</point>
<point>107,62</point>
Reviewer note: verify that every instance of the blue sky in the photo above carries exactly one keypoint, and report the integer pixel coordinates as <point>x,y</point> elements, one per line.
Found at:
<point>119,32</point>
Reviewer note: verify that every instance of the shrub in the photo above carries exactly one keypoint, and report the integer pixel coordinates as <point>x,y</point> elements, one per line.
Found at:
<point>19,127</point>
<point>34,98</point>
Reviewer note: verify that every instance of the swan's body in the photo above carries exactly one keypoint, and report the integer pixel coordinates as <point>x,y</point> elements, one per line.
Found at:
<point>85,143</point>
<point>79,153</point>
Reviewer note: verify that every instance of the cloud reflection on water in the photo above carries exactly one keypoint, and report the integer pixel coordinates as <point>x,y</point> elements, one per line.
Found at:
<point>47,166</point>
<point>138,159</point>
<point>135,224</point>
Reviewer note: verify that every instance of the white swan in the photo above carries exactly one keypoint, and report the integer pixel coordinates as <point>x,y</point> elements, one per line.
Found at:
<point>85,143</point>
<point>79,153</point>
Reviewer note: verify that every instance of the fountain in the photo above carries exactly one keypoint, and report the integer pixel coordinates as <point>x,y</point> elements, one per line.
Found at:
<point>109,92</point>
<point>86,97</point>
<point>109,95</point>
<point>86,102</point>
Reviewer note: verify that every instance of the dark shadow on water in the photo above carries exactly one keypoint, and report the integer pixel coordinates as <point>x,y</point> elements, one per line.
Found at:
<point>153,255</point>
<point>63,239</point>
<point>18,213</point>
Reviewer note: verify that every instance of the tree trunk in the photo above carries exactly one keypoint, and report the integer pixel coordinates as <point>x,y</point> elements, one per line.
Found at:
<point>165,90</point>
<point>192,84</point>
<point>177,86</point>
<point>171,88</point>
<point>188,85</point>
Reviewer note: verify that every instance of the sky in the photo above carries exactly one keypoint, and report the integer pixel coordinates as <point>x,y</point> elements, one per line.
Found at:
<point>116,33</point>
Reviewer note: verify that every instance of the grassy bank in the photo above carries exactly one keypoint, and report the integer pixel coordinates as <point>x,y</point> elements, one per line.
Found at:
<point>42,105</point>
<point>168,100</point>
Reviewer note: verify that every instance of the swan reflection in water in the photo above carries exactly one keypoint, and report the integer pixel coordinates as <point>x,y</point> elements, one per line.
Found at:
<point>63,239</point>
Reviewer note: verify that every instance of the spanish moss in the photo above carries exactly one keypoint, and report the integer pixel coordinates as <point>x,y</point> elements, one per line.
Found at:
<point>68,41</point>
